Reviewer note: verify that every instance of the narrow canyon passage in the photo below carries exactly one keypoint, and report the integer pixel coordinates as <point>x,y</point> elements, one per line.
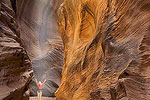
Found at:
<point>85,49</point>
<point>48,60</point>
<point>38,36</point>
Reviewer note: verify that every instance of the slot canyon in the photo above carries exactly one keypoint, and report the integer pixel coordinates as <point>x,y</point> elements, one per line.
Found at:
<point>84,49</point>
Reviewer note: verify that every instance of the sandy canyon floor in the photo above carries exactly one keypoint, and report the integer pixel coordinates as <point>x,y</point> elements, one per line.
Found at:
<point>43,98</point>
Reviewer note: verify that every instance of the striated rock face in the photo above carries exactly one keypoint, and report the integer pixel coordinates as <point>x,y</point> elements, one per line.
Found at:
<point>106,50</point>
<point>29,31</point>
<point>40,37</point>
<point>49,67</point>
<point>15,66</point>
<point>37,20</point>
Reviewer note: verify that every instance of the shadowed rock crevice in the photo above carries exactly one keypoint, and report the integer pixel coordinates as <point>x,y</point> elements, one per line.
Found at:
<point>13,4</point>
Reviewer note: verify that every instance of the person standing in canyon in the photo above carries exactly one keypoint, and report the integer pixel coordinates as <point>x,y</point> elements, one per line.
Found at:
<point>40,86</point>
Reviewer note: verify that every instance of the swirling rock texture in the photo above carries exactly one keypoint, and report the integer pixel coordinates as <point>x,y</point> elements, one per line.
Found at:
<point>37,20</point>
<point>29,36</point>
<point>38,23</point>
<point>106,50</point>
<point>49,67</point>
<point>15,65</point>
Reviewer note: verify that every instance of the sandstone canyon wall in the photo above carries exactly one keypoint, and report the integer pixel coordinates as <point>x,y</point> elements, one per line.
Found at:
<point>15,65</point>
<point>38,23</point>
<point>106,50</point>
<point>37,20</point>
<point>29,37</point>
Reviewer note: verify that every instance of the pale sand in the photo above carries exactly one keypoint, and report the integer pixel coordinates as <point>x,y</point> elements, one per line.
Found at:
<point>43,98</point>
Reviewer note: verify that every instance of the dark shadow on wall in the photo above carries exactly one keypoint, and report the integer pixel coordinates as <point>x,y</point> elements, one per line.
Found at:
<point>13,4</point>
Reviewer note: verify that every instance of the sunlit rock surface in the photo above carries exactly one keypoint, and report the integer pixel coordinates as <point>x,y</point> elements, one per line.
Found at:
<point>48,67</point>
<point>106,50</point>
<point>15,66</point>
<point>37,20</point>
<point>40,36</point>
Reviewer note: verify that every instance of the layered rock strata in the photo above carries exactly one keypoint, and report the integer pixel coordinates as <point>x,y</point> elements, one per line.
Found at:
<point>106,50</point>
<point>48,67</point>
<point>15,65</point>
<point>38,24</point>
<point>29,31</point>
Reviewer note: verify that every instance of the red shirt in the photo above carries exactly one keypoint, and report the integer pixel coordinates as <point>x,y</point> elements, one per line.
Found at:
<point>40,85</point>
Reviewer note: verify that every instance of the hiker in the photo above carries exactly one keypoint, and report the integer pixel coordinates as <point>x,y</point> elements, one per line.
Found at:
<point>40,86</point>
